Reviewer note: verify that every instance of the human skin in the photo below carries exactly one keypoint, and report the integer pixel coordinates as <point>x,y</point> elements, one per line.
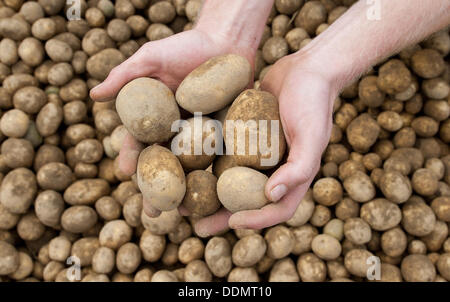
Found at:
<point>306,83</point>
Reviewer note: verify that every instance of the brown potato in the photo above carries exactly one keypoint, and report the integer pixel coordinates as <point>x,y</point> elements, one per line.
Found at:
<point>78,219</point>
<point>311,268</point>
<point>218,256</point>
<point>18,201</point>
<point>327,191</point>
<point>201,194</point>
<point>115,233</point>
<point>418,268</point>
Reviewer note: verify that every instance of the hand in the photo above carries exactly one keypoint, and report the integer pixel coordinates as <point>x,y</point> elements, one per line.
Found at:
<point>306,97</point>
<point>169,60</point>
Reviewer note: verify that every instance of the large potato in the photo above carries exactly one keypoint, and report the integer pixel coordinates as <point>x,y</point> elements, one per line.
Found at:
<point>148,109</point>
<point>214,84</point>
<point>161,178</point>
<point>241,188</point>
<point>253,124</point>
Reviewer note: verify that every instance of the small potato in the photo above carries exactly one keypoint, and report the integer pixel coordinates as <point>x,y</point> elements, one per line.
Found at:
<point>115,233</point>
<point>334,228</point>
<point>237,198</point>
<point>427,63</point>
<point>108,208</point>
<point>218,256</point>
<point>356,262</point>
<point>51,270</point>
<point>274,49</point>
<point>438,110</point>
<point>74,112</point>
<point>86,191</point>
<point>107,120</point>
<point>162,12</point>
<point>311,15</point>
<point>418,218</point>
<point>201,194</point>
<point>85,249</point>
<point>49,119</point>
<point>60,74</point>
<point>425,126</point>
<point>158,31</point>
<point>395,187</point>
<point>303,212</point>
<point>165,223</point>
<point>14,123</point>
<point>441,207</point>
<point>49,206</point>
<point>190,249</point>
<point>181,232</point>
<point>164,276</point>
<point>346,208</point>
<point>336,269</point>
<point>54,176</point>
<point>280,25</point>
<point>59,249</point>
<point>390,121</point>
<point>394,77</point>
<point>29,227</point>
<point>280,242</point>
<point>256,109</point>
<point>311,268</point>
<point>58,51</point>
<point>303,237</point>
<point>357,231</point>
<point>152,246</point>
<point>326,247</point>
<point>31,11</point>
<point>96,40</point>
<point>25,267</point>
<point>249,250</point>
<point>9,258</point>
<point>284,270</point>
<point>320,216</point>
<point>119,30</point>
<point>197,271</point>
<point>14,200</point>
<point>359,187</point>
<point>128,258</point>
<point>28,99</point>
<point>418,268</point>
<point>14,82</point>
<point>232,74</point>
<point>89,151</point>
<point>327,191</point>
<point>132,210</point>
<point>7,220</point>
<point>424,182</point>
<point>124,190</point>
<point>437,237</point>
<point>103,260</point>
<point>443,265</point>
<point>362,132</point>
<point>381,214</point>
<point>288,7</point>
<point>243,274</point>
<point>103,62</point>
<point>145,125</point>
<point>138,25</point>
<point>394,242</point>
<point>8,52</point>
<point>79,60</point>
<point>143,275</point>
<point>161,178</point>
<point>369,93</point>
<point>78,219</point>
<point>17,152</point>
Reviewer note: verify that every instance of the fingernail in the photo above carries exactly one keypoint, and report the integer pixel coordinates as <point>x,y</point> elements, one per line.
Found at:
<point>278,192</point>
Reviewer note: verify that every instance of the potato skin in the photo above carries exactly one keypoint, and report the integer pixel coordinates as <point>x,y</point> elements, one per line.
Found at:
<point>241,188</point>
<point>161,178</point>
<point>141,103</point>
<point>201,193</point>
<point>249,250</point>
<point>254,106</point>
<point>218,256</point>
<point>214,84</point>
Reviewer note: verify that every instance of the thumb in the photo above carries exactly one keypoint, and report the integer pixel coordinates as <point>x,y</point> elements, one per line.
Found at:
<point>142,63</point>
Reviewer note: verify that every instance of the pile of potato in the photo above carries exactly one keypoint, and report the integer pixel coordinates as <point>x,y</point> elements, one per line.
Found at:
<point>383,189</point>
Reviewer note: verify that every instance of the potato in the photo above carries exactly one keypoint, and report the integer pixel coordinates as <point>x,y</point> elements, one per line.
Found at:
<point>59,248</point>
<point>425,126</point>
<point>49,206</point>
<point>9,258</point>
<point>369,93</point>
<point>78,219</point>
<point>28,99</point>
<point>320,216</point>
<point>181,232</point>
<point>29,227</point>
<point>218,256</point>
<point>249,250</point>
<point>443,265</point>
<point>48,119</point>
<point>303,212</point>
<point>284,270</point>
<point>164,186</point>
<point>103,62</point>
<point>356,262</point>
<point>417,268</point>
<point>357,231</point>
<point>201,196</point>
<point>427,63</point>
<point>54,176</point>
<point>327,191</point>
<point>14,82</point>
<point>241,188</point>
<point>85,249</point>
<point>311,15</point>
<point>197,271</point>
<point>108,208</point>
<point>143,275</point>
<point>152,246</point>
<point>280,25</point>
<point>143,124</point>
<point>8,52</point>
<point>381,214</point>
<point>161,12</point>
<point>435,240</point>
<point>86,191</point>
<point>394,242</point>
<point>165,223</point>
<point>7,220</point>
<point>196,150</point>
<point>417,247</point>
<point>424,182</point>
<point>394,77</point>
<point>362,132</point>
<point>326,247</point>
<point>311,268</point>
<point>288,7</point>
<point>232,74</point>
<point>395,187</point>
<point>25,267</point>
<point>418,218</point>
<point>280,242</point>
<point>249,107</point>
<point>164,276</point>
<point>158,31</point>
<point>274,49</point>
<point>128,258</point>
<point>243,274</point>
<point>441,207</point>
<point>14,123</point>
<point>359,187</point>
<point>18,201</point>
<point>14,28</point>
<point>132,210</point>
<point>115,233</point>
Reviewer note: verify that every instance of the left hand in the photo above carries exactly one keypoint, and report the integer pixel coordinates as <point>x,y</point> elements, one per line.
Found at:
<point>306,96</point>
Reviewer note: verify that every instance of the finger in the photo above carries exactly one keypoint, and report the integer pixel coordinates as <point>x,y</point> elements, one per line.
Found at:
<point>149,210</point>
<point>129,154</point>
<point>138,65</point>
<point>271,214</point>
<point>213,224</point>
<point>183,211</point>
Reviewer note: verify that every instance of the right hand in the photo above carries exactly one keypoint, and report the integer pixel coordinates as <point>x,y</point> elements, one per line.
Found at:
<point>169,60</point>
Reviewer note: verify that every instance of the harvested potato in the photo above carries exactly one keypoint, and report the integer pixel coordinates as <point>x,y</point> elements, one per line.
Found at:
<point>18,201</point>
<point>115,233</point>
<point>357,231</point>
<point>326,247</point>
<point>311,15</point>
<point>243,274</point>
<point>327,191</point>
<point>280,242</point>
<point>241,254</point>
<point>197,271</point>
<point>14,123</point>
<point>231,75</point>
<point>165,223</point>
<point>49,206</point>
<point>311,268</point>
<point>395,187</point>
<point>86,191</point>
<point>241,188</point>
<point>218,256</point>
<point>274,49</point>
<point>9,258</point>
<point>359,187</point>
<point>190,249</point>
<point>303,212</point>
<point>427,63</point>
<point>418,268</point>
<point>284,270</point>
<point>356,262</point>
<point>78,219</point>
<point>381,214</point>
<point>362,132</point>
<point>201,194</point>
<point>418,218</point>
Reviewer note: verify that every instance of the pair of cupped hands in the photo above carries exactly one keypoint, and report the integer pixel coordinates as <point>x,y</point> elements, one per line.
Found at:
<point>305,97</point>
